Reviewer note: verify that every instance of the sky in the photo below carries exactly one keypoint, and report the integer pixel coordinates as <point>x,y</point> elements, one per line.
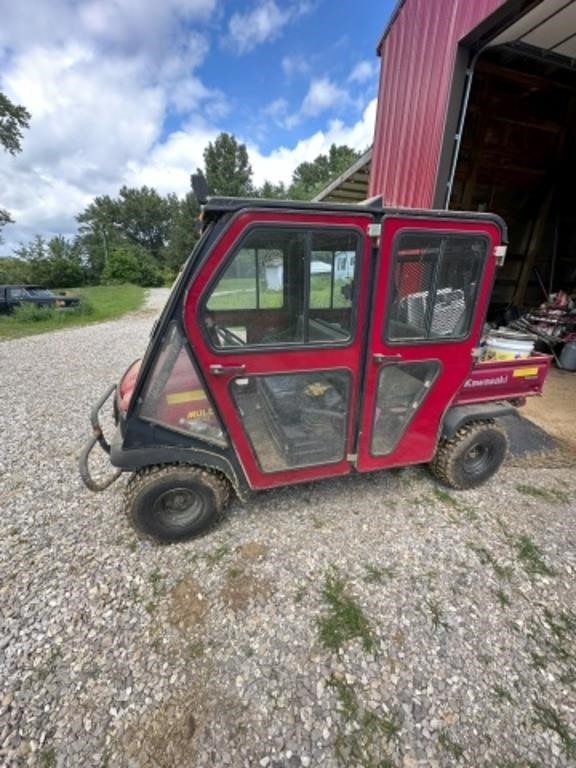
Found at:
<point>131,92</point>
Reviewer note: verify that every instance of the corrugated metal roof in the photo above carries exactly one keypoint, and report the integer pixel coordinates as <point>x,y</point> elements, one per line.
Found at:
<point>352,185</point>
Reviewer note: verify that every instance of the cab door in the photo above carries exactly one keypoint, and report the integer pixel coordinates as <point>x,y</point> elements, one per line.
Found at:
<point>275,320</point>
<point>430,296</point>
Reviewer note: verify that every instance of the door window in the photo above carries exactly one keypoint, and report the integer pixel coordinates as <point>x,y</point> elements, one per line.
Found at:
<point>294,419</point>
<point>285,286</point>
<point>435,282</point>
<point>402,389</point>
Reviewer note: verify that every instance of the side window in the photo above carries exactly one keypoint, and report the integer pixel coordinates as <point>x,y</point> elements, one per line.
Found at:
<point>435,282</point>
<point>174,395</point>
<point>285,286</point>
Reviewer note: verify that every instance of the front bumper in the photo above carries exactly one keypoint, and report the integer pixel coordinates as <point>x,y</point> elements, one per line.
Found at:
<point>97,437</point>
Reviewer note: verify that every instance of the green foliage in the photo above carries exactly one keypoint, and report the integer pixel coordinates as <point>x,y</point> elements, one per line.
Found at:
<point>130,264</point>
<point>183,233</point>
<point>310,177</point>
<point>227,168</point>
<point>54,263</point>
<point>32,313</point>
<point>13,120</point>
<point>344,619</point>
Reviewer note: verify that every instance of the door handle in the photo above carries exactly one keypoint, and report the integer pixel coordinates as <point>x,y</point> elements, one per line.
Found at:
<point>221,370</point>
<point>380,358</point>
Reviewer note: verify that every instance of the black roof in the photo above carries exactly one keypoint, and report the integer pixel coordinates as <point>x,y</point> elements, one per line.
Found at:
<point>215,207</point>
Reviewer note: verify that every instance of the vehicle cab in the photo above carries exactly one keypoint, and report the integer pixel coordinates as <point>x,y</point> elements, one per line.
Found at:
<point>304,341</point>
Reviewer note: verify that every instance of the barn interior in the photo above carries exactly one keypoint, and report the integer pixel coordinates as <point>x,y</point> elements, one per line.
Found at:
<point>518,158</point>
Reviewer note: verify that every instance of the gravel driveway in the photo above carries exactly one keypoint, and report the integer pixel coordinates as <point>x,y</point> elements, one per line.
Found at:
<point>369,621</point>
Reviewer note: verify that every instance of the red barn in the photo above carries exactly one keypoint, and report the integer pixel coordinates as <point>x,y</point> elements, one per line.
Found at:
<point>477,111</point>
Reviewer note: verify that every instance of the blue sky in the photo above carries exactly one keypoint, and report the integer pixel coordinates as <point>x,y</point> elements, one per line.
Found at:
<point>131,91</point>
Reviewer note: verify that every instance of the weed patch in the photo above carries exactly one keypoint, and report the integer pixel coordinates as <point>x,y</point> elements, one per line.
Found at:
<point>503,694</point>
<point>376,574</point>
<point>531,558</point>
<point>487,558</point>
<point>450,746</point>
<point>364,737</point>
<point>344,619</point>
<point>503,598</point>
<point>551,495</point>
<point>218,554</point>
<point>546,717</point>
<point>438,620</point>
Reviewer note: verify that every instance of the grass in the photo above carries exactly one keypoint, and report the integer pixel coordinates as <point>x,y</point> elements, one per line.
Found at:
<point>546,717</point>
<point>344,619</point>
<point>99,303</point>
<point>487,558</point>
<point>450,746</point>
<point>551,495</point>
<point>376,574</point>
<point>503,598</point>
<point>48,758</point>
<point>363,735</point>
<point>437,615</point>
<point>503,694</point>
<point>531,558</point>
<point>240,293</point>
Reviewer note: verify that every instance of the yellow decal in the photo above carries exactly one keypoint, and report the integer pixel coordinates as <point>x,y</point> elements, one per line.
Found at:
<point>185,397</point>
<point>520,373</point>
<point>200,413</point>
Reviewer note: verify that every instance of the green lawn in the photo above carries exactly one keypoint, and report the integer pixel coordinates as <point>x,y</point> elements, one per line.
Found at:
<point>101,302</point>
<point>240,293</point>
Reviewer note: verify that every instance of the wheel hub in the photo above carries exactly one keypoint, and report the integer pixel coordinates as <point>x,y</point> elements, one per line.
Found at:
<point>179,507</point>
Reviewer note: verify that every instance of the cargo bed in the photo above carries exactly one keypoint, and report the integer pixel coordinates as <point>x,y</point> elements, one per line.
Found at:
<point>505,379</point>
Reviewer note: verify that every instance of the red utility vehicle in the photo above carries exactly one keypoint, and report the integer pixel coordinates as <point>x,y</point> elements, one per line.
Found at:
<point>304,341</point>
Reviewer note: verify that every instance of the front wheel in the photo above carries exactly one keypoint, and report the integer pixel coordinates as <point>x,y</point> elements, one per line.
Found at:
<point>175,502</point>
<point>471,457</point>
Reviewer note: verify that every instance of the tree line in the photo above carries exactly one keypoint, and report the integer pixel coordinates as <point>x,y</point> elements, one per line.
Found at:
<point>140,236</point>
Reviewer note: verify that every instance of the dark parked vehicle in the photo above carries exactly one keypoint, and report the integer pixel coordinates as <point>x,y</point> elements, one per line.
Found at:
<point>13,295</point>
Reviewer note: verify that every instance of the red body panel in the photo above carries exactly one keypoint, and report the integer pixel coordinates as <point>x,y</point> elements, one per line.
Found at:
<point>418,55</point>
<point>418,443</point>
<point>268,361</point>
<point>505,379</point>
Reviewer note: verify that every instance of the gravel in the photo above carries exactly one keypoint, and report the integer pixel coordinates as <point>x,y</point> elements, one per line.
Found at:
<point>453,615</point>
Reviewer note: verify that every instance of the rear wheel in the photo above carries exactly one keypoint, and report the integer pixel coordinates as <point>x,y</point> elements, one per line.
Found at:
<point>175,502</point>
<point>471,457</point>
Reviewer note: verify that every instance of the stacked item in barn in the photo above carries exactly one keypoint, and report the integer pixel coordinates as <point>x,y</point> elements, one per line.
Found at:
<point>554,322</point>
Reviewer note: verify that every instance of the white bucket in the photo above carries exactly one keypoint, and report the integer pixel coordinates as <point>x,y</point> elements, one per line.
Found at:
<point>508,345</point>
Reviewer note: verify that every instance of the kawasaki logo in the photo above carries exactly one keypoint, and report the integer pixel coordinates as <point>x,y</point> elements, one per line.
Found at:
<point>493,382</point>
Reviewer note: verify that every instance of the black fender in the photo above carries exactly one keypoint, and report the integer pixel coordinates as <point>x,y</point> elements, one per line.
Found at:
<point>136,458</point>
<point>459,415</point>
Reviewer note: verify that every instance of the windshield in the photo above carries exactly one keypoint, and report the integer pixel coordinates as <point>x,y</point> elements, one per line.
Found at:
<point>39,293</point>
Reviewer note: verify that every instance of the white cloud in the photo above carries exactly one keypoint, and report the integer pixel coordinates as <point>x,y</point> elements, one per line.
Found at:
<point>322,95</point>
<point>263,23</point>
<point>363,71</point>
<point>295,64</point>
<point>280,163</point>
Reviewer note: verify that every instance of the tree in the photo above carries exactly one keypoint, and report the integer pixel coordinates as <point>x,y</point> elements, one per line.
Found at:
<point>13,120</point>
<point>57,263</point>
<point>271,191</point>
<point>184,231</point>
<point>310,177</point>
<point>227,168</point>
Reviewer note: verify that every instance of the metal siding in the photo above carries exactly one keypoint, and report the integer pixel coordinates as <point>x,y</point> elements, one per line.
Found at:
<point>418,55</point>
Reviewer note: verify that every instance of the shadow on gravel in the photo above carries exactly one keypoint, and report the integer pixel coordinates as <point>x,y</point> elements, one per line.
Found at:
<point>529,442</point>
